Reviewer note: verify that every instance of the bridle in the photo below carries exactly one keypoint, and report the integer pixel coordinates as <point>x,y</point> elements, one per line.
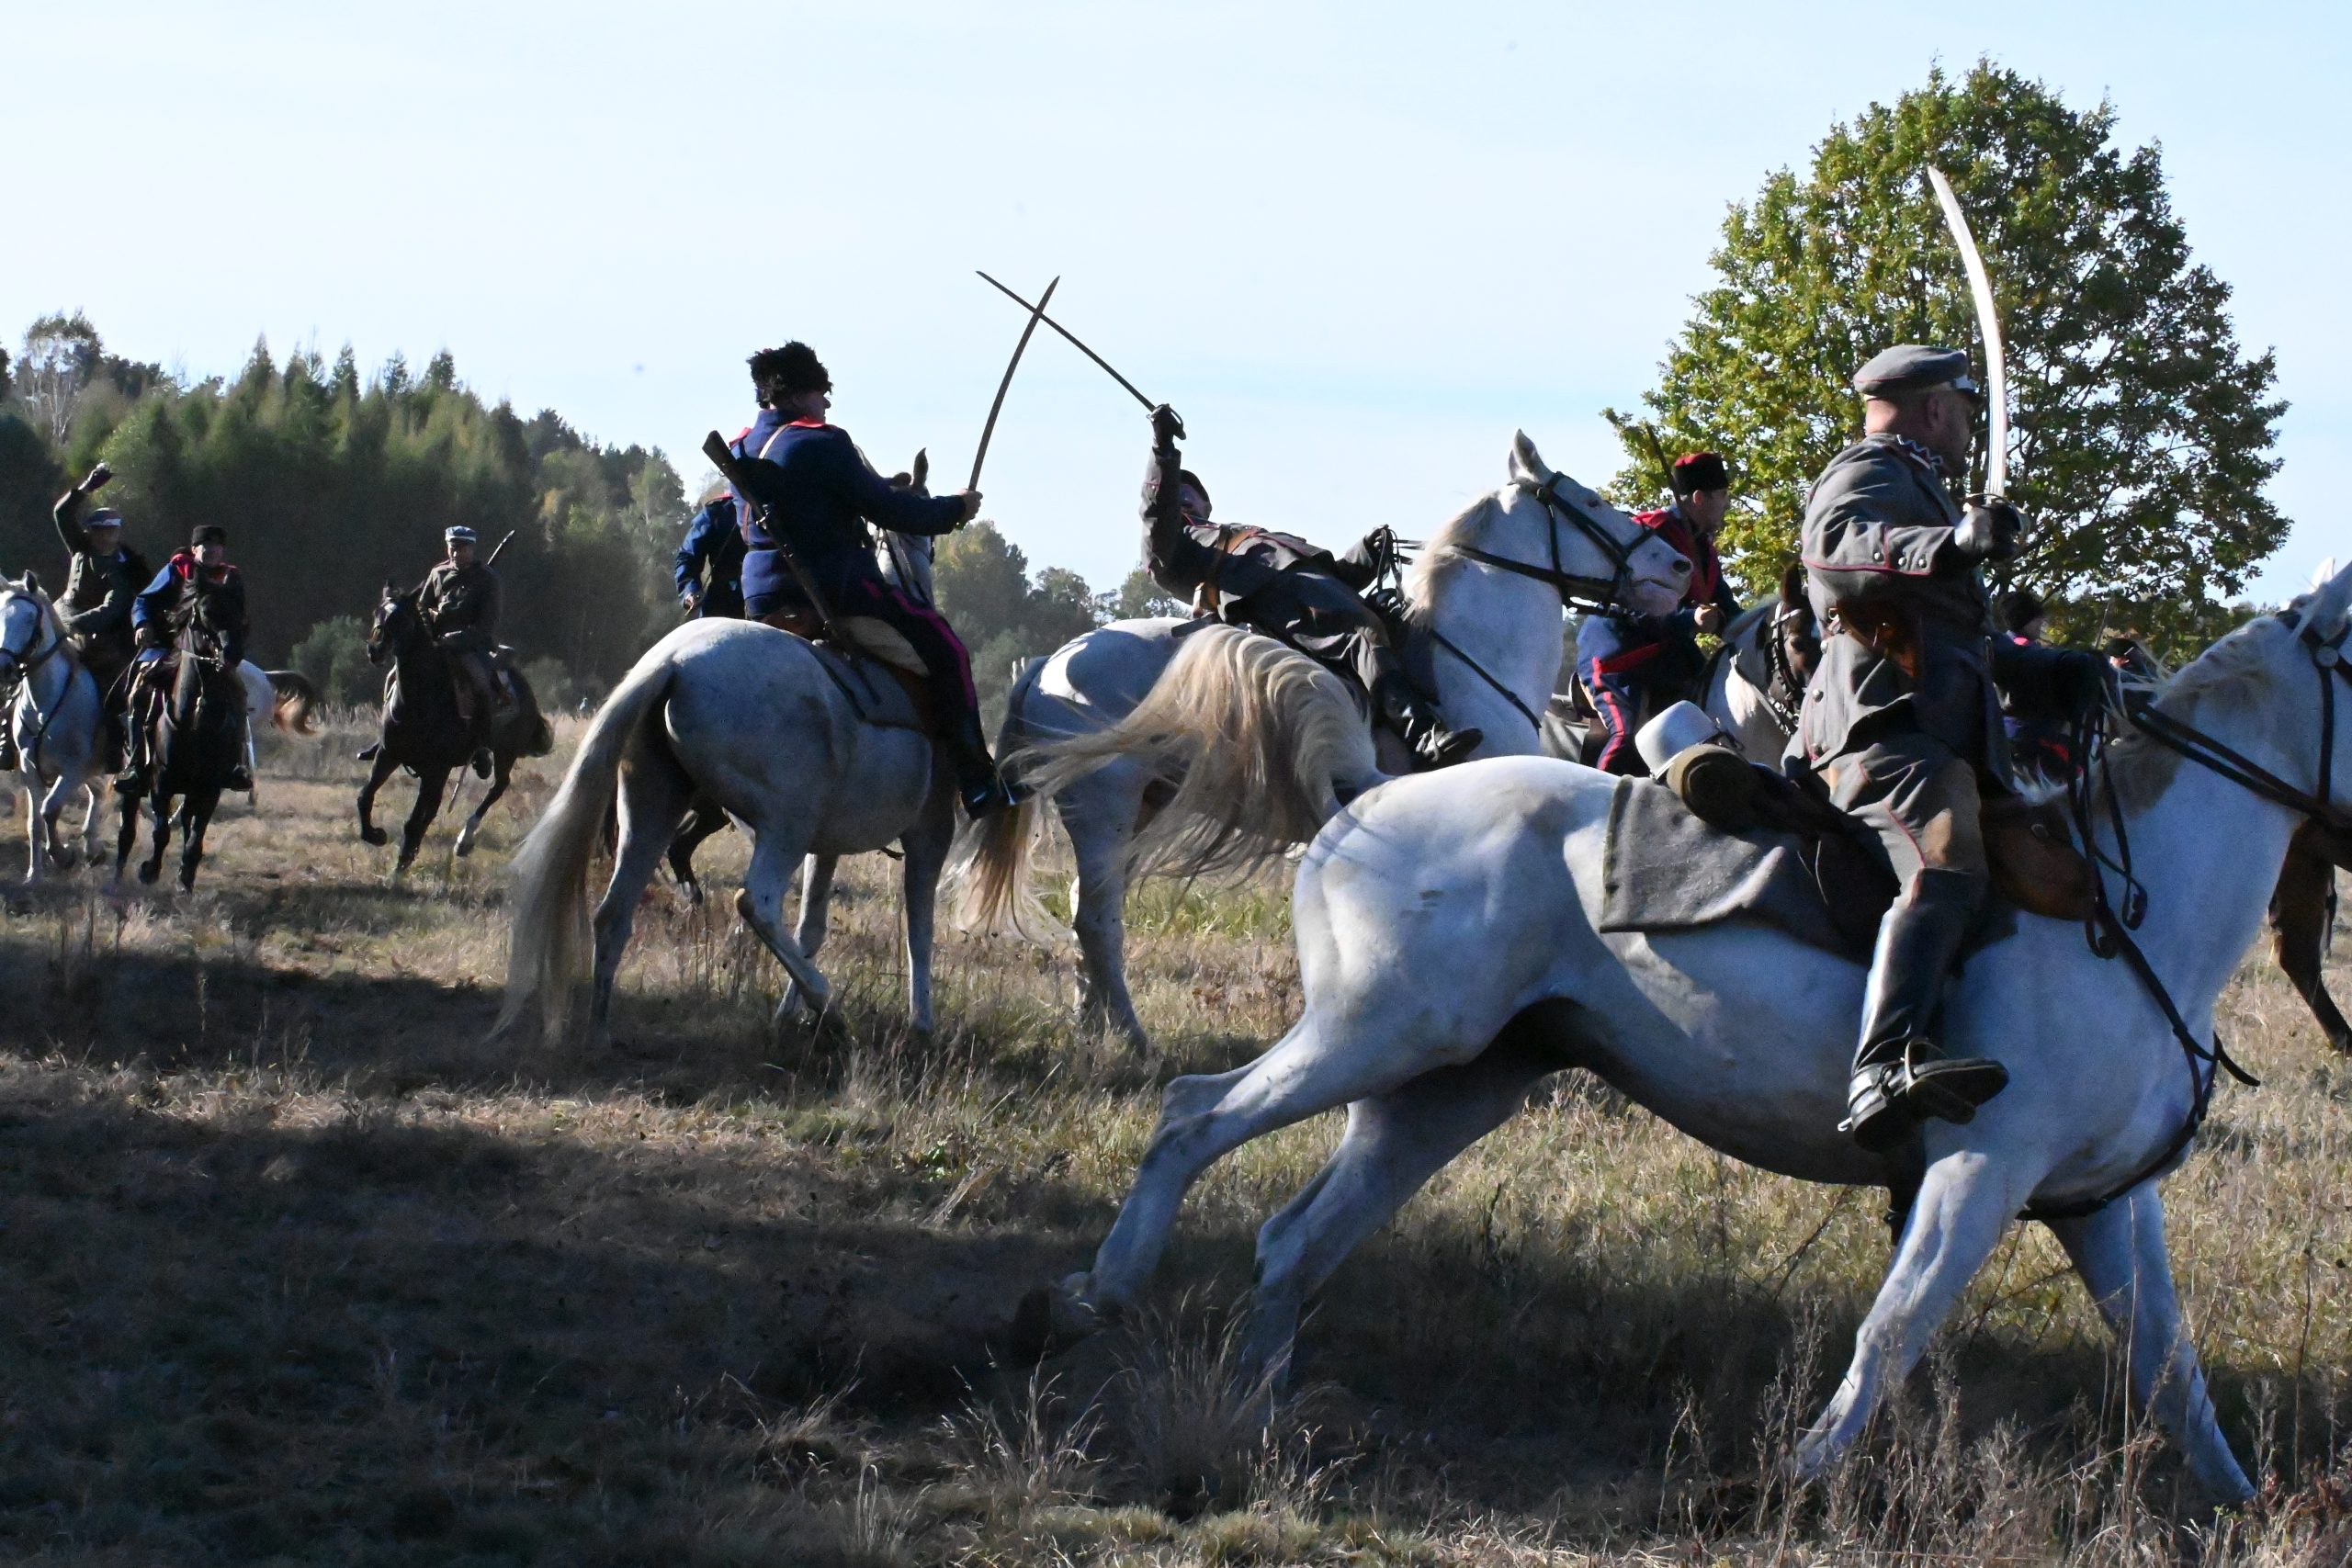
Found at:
<point>20,668</point>
<point>1783,674</point>
<point>2108,931</point>
<point>1577,591</point>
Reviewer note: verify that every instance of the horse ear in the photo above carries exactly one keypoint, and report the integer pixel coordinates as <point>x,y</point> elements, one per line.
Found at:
<point>33,584</point>
<point>2321,574</point>
<point>2326,610</point>
<point>1527,468</point>
<point>1793,583</point>
<point>922,467</point>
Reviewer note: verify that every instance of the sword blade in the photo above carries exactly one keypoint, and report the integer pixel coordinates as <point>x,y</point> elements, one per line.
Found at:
<point>1070,337</point>
<point>1005,386</point>
<point>1988,322</point>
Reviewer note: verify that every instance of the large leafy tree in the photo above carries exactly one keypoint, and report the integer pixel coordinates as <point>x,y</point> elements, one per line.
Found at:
<point>2141,433</point>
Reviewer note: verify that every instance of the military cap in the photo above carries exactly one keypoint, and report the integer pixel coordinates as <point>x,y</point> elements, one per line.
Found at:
<point>790,371</point>
<point>1915,367</point>
<point>458,534</point>
<point>208,533</point>
<point>103,517</point>
<point>1700,470</point>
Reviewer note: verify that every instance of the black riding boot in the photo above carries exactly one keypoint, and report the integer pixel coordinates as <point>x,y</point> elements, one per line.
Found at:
<point>1901,1076</point>
<point>1406,712</point>
<point>981,788</point>
<point>132,780</point>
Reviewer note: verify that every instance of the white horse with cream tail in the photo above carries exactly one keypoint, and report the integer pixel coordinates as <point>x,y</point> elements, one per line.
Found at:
<point>1484,602</point>
<point>1450,960</point>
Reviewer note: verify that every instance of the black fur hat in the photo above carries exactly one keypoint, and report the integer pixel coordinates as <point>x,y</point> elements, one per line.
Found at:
<point>1700,470</point>
<point>788,371</point>
<point>208,533</point>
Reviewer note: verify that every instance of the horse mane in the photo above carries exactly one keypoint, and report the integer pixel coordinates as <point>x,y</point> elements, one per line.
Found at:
<point>1442,551</point>
<point>2237,668</point>
<point>1744,622</point>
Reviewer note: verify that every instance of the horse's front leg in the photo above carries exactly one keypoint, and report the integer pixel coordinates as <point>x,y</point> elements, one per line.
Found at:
<point>378,771</point>
<point>926,850</point>
<point>126,837</point>
<point>159,812</point>
<point>2120,1254</point>
<point>504,765</point>
<point>1965,1201</point>
<point>36,825</point>
<point>431,784</point>
<point>815,909</point>
<point>196,816</point>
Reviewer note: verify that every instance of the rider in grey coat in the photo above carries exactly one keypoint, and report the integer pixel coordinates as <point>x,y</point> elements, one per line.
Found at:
<point>1903,718</point>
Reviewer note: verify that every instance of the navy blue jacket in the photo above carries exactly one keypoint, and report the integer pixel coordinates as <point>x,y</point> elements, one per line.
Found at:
<point>214,596</point>
<point>822,492</point>
<point>714,543</point>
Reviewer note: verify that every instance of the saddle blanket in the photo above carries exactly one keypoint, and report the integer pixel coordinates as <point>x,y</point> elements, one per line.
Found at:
<point>1665,870</point>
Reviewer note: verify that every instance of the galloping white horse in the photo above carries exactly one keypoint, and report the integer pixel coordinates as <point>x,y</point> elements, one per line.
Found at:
<point>1485,597</point>
<point>54,720</point>
<point>816,757</point>
<point>1447,944</point>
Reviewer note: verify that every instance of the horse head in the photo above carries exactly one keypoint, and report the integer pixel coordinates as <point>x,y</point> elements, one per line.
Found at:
<point>1797,646</point>
<point>397,625</point>
<point>26,623</point>
<point>906,557</point>
<point>1583,537</point>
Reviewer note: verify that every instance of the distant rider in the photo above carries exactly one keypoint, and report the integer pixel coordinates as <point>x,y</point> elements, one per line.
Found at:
<point>821,493</point>
<point>196,586</point>
<point>709,572</point>
<point>458,602</point>
<point>1902,717</point>
<point>1288,589</point>
<point>101,582</point>
<point>1634,664</point>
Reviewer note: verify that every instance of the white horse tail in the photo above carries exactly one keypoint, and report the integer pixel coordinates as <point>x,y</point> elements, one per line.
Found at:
<point>295,699</point>
<point>1261,743</point>
<point>549,956</point>
<point>990,867</point>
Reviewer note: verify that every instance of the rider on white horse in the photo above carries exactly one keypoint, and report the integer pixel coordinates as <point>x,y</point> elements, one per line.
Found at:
<point>1903,720</point>
<point>1288,589</point>
<point>1633,664</point>
<point>99,586</point>
<point>818,494</point>
<point>197,584</point>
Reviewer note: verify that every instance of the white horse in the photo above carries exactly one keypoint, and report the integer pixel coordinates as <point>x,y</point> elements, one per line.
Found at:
<point>1484,598</point>
<point>814,755</point>
<point>54,720</point>
<point>1448,949</point>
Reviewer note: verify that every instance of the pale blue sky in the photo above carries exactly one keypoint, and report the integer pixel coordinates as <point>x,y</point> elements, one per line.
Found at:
<point>1355,246</point>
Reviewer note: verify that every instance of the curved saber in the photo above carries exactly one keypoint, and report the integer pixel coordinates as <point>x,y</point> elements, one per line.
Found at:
<point>1036,314</point>
<point>1996,361</point>
<point>1039,311</point>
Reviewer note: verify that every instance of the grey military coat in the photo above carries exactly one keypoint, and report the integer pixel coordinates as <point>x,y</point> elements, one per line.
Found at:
<point>1908,641</point>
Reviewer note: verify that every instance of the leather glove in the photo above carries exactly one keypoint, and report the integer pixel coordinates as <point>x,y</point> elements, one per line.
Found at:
<point>1166,428</point>
<point>152,636</point>
<point>1380,547</point>
<point>2081,678</point>
<point>1989,530</point>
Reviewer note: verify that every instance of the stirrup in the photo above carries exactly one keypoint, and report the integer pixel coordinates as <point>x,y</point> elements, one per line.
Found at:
<point>1886,1101</point>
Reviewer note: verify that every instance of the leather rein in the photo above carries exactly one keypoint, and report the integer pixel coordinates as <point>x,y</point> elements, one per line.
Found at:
<point>2108,931</point>
<point>24,664</point>
<point>1577,590</point>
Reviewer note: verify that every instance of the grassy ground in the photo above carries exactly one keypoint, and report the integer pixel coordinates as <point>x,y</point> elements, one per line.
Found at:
<point>297,1270</point>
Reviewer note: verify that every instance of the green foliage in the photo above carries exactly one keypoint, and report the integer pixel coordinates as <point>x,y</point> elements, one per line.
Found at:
<point>2141,433</point>
<point>983,586</point>
<point>1138,598</point>
<point>334,656</point>
<point>330,487</point>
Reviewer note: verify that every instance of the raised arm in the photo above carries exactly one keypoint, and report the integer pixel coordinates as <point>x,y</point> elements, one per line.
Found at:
<point>70,506</point>
<point>882,503</point>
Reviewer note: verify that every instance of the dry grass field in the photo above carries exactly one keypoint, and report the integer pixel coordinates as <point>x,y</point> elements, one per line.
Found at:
<point>295,1269</point>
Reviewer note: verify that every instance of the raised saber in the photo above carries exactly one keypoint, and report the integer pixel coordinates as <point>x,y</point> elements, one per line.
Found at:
<point>1035,315</point>
<point>1039,311</point>
<point>1996,361</point>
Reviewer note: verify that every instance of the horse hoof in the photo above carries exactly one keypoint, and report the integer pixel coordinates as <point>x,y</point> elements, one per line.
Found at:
<point>376,836</point>
<point>147,873</point>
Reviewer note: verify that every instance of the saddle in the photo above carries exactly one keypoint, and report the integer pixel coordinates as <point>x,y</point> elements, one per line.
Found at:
<point>872,641</point>
<point>1805,867</point>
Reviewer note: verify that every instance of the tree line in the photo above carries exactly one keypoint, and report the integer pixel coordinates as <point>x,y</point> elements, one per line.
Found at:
<point>332,484</point>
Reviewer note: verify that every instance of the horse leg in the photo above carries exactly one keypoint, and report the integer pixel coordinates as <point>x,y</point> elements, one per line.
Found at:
<point>1099,831</point>
<point>926,849</point>
<point>761,904</point>
<point>2119,1252</point>
<point>36,834</point>
<point>1207,1116</point>
<point>1394,1143</point>
<point>431,784</point>
<point>196,816</point>
<point>378,771</point>
<point>502,765</point>
<point>705,820</point>
<point>652,794</point>
<point>815,909</point>
<point>52,807</point>
<point>126,835</point>
<point>159,813</point>
<point>93,821</point>
<point>1965,1202</point>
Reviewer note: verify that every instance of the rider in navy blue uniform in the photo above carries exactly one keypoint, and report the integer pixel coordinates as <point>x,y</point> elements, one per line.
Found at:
<point>821,493</point>
<point>710,563</point>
